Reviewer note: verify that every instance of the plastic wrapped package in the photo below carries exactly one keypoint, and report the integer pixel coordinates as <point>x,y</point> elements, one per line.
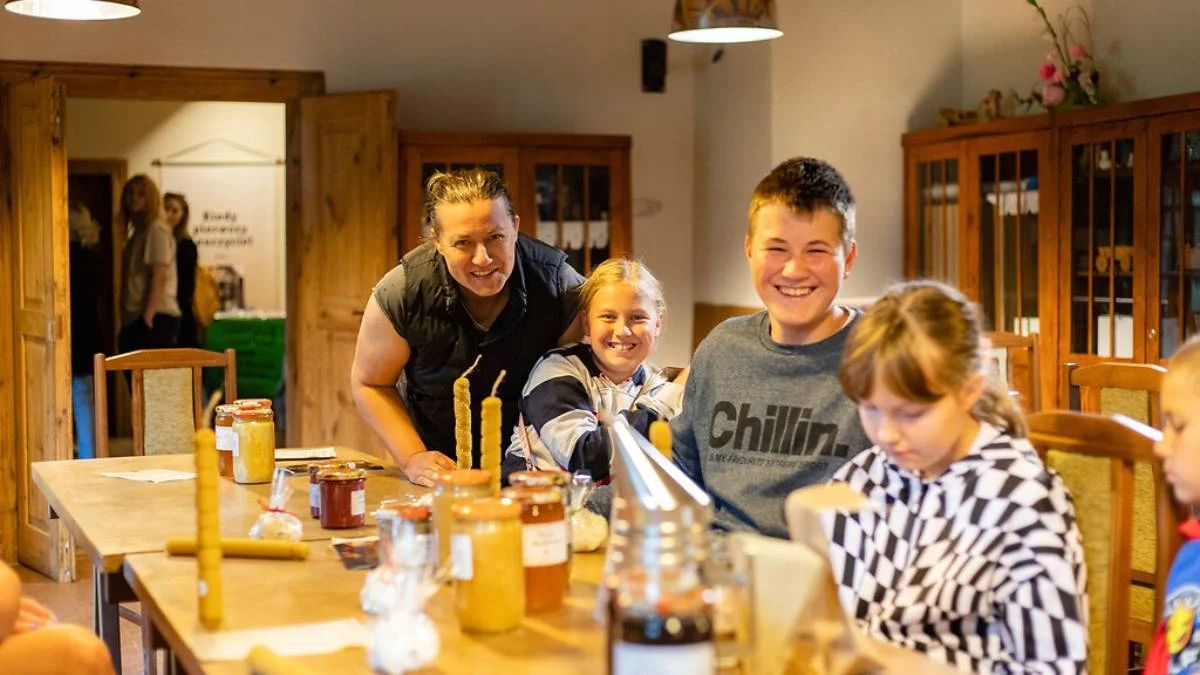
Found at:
<point>275,522</point>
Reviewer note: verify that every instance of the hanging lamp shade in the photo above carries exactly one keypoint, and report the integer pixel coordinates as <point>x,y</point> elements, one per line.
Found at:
<point>724,21</point>
<point>77,10</point>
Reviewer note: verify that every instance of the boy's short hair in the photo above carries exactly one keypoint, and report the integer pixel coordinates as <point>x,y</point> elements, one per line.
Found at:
<point>805,184</point>
<point>1186,361</point>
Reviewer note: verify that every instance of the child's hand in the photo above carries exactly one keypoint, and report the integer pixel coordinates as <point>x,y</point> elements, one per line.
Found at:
<point>32,616</point>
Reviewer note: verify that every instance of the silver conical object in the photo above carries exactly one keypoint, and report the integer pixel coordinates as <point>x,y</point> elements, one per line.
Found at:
<point>660,517</point>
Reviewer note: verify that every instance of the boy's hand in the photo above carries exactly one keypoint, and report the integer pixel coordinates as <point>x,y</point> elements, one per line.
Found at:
<point>32,616</point>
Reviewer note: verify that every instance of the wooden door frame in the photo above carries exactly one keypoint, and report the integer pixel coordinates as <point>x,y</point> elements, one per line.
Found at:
<point>154,83</point>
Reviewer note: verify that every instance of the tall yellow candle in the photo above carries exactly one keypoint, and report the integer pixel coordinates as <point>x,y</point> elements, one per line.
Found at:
<point>208,528</point>
<point>462,417</point>
<point>660,437</point>
<point>489,436</point>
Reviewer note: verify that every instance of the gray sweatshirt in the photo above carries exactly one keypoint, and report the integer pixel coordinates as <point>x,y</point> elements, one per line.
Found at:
<point>761,419</point>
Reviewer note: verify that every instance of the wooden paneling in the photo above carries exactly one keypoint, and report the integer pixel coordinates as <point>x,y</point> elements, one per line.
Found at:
<point>165,83</point>
<point>345,241</point>
<point>40,298</point>
<point>705,317</point>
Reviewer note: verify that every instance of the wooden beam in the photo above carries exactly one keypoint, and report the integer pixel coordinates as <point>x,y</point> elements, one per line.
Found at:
<point>167,83</point>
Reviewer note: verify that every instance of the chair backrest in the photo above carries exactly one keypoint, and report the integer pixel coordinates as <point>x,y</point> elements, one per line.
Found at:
<point>1077,446</point>
<point>1140,381</point>
<point>170,363</point>
<point>1020,366</point>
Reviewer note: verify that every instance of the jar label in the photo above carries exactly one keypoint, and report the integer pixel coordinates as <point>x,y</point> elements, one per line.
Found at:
<point>460,557</point>
<point>233,443</point>
<point>314,496</point>
<point>544,543</point>
<point>225,438</point>
<point>629,658</point>
<point>358,502</point>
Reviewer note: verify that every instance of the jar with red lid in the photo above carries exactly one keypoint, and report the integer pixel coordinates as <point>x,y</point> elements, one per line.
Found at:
<point>343,498</point>
<point>226,439</point>
<point>253,402</point>
<point>254,451</point>
<point>545,545</point>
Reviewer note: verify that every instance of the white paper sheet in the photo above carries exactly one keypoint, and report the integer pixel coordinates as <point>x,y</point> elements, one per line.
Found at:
<point>285,454</point>
<point>309,638</point>
<point>151,475</point>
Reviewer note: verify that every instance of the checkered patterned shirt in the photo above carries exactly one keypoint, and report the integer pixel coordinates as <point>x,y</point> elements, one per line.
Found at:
<point>981,568</point>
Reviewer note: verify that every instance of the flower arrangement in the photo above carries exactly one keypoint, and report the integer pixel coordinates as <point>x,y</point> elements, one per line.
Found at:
<point>1068,76</point>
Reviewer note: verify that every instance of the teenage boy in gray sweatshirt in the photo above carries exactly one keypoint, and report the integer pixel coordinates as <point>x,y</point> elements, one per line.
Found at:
<point>763,412</point>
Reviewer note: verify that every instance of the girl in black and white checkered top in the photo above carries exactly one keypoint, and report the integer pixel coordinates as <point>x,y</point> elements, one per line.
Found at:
<point>972,555</point>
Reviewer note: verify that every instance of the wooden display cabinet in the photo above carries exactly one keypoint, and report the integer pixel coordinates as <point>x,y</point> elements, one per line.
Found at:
<point>571,191</point>
<point>1079,226</point>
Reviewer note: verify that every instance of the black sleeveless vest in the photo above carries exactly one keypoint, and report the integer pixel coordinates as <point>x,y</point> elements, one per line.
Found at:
<point>444,340</point>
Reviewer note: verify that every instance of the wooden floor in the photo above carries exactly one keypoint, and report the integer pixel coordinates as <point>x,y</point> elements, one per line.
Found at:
<point>72,603</point>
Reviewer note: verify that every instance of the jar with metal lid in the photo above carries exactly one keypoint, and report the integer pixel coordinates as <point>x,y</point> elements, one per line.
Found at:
<point>343,498</point>
<point>556,479</point>
<point>406,535</point>
<point>544,545</point>
<point>226,439</point>
<point>254,451</point>
<point>253,402</point>
<point>489,579</point>
<point>449,487</point>
<point>314,484</point>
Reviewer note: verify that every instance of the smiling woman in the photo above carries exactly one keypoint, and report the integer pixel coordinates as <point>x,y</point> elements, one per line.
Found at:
<point>477,288</point>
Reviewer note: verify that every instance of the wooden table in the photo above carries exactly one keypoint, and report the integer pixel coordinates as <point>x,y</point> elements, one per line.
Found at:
<point>111,518</point>
<point>264,594</point>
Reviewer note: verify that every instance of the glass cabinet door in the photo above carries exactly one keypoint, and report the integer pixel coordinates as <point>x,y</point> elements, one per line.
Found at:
<point>1176,159</point>
<point>1105,275</point>
<point>1008,240</point>
<point>574,203</point>
<point>937,237</point>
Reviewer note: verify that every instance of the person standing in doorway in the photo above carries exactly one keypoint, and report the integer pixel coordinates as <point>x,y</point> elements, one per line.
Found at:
<point>86,281</point>
<point>175,212</point>
<point>149,279</point>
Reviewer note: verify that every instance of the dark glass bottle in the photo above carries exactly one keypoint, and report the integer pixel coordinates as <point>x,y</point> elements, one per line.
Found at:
<point>660,621</point>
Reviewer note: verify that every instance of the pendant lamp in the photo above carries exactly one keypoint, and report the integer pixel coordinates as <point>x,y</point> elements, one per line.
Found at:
<point>724,21</point>
<point>77,10</point>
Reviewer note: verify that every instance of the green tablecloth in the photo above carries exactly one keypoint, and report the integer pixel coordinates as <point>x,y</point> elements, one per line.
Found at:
<point>259,345</point>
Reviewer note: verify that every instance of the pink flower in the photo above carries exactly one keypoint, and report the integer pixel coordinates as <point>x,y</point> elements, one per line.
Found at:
<point>1052,95</point>
<point>1048,72</point>
<point>1079,51</point>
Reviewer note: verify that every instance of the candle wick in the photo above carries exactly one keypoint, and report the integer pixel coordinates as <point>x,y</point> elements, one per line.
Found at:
<point>497,384</point>
<point>468,370</point>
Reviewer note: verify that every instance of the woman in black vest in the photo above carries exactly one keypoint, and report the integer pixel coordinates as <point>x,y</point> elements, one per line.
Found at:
<point>477,287</point>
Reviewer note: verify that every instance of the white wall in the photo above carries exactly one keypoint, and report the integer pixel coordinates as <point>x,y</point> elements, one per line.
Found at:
<point>1146,48</point>
<point>733,151</point>
<point>141,132</point>
<point>457,65</point>
<point>845,81</point>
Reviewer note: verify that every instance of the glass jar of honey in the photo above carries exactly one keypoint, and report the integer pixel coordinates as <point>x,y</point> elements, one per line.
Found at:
<point>544,545</point>
<point>254,449</point>
<point>489,579</point>
<point>226,439</point>
<point>343,498</point>
<point>450,487</point>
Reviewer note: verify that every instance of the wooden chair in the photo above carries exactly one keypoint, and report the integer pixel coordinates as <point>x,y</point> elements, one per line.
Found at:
<point>1073,444</point>
<point>1093,381</point>
<point>138,363</point>
<point>1021,367</point>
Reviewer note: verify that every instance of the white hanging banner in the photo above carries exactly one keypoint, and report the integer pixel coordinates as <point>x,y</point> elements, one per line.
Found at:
<point>236,222</point>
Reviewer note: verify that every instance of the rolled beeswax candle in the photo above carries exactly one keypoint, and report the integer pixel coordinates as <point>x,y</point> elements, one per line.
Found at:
<point>462,417</point>
<point>660,437</point>
<point>489,437</point>
<point>208,530</point>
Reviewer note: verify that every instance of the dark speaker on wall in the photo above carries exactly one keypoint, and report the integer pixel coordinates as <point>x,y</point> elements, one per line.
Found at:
<point>654,65</point>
